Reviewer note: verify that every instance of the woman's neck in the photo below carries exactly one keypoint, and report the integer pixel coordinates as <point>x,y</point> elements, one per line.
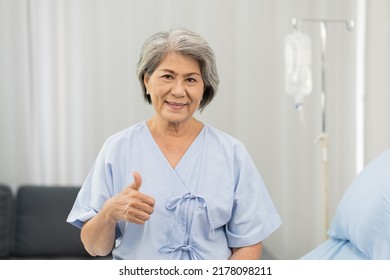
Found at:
<point>161,128</point>
<point>174,139</point>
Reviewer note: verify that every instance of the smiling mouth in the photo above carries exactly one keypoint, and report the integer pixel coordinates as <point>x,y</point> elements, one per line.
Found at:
<point>175,105</point>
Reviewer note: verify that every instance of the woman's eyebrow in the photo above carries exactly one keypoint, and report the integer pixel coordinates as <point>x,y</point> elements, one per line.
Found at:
<point>167,70</point>
<point>185,75</point>
<point>192,73</point>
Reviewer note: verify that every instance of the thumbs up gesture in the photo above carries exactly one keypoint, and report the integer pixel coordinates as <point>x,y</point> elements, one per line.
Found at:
<point>137,206</point>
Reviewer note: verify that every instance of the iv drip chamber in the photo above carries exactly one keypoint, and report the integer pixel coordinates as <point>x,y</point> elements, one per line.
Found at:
<point>298,74</point>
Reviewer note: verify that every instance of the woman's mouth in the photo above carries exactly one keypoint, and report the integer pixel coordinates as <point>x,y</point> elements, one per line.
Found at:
<point>175,105</point>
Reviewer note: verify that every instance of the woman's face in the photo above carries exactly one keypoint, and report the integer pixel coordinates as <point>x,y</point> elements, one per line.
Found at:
<point>176,88</point>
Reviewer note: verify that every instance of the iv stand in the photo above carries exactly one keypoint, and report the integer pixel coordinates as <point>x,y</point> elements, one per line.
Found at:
<point>323,138</point>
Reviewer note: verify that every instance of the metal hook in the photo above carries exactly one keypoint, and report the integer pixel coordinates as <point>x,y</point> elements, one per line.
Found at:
<point>296,24</point>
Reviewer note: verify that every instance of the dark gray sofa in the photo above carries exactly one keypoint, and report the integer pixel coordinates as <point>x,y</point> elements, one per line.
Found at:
<point>33,224</point>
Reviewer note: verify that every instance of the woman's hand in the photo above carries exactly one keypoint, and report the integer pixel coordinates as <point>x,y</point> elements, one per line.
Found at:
<point>131,205</point>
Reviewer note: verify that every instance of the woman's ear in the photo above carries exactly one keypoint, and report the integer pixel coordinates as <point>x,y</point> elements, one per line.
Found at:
<point>146,81</point>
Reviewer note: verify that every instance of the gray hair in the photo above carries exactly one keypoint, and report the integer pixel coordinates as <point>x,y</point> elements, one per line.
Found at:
<point>183,42</point>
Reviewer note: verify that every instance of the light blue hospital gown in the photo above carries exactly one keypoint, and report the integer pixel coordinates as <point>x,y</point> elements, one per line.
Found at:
<point>212,201</point>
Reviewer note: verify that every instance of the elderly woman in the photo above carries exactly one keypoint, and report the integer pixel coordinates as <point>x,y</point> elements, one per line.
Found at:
<point>172,187</point>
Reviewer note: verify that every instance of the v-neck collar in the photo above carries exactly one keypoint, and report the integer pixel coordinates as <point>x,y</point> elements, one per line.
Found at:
<point>192,151</point>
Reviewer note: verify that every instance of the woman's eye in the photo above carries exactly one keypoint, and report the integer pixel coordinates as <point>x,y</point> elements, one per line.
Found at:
<point>191,80</point>
<point>167,76</point>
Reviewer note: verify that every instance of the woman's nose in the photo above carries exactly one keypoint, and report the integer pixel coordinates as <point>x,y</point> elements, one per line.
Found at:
<point>178,89</point>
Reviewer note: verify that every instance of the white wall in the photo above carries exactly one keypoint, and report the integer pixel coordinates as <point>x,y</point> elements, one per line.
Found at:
<point>377,100</point>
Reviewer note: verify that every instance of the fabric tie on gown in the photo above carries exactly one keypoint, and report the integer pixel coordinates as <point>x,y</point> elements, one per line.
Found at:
<point>176,202</point>
<point>195,254</point>
<point>175,205</point>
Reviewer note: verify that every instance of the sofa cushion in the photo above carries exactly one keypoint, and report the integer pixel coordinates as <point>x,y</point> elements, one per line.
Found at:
<point>41,229</point>
<point>5,220</point>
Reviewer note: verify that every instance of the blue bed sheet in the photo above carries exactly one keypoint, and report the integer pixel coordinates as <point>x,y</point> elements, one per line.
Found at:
<point>335,249</point>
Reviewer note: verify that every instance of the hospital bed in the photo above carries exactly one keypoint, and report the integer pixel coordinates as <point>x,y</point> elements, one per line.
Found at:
<point>360,229</point>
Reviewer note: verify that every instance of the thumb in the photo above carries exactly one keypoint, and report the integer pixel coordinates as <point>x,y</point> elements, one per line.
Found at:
<point>137,181</point>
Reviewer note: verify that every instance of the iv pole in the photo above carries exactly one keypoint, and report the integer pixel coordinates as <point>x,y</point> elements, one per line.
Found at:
<point>323,138</point>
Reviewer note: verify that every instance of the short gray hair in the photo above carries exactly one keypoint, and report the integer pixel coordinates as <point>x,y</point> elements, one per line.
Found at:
<point>184,42</point>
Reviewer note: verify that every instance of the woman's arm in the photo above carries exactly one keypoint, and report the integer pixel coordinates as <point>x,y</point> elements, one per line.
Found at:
<point>130,205</point>
<point>252,252</point>
<point>98,234</point>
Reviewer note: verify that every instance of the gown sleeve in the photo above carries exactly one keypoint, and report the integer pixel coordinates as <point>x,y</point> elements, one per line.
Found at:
<point>254,216</point>
<point>97,188</point>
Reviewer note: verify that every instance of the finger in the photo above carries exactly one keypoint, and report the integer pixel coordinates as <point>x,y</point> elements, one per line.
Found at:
<point>149,209</point>
<point>137,181</point>
<point>136,185</point>
<point>132,208</point>
<point>134,214</point>
<point>148,200</point>
<point>136,220</point>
